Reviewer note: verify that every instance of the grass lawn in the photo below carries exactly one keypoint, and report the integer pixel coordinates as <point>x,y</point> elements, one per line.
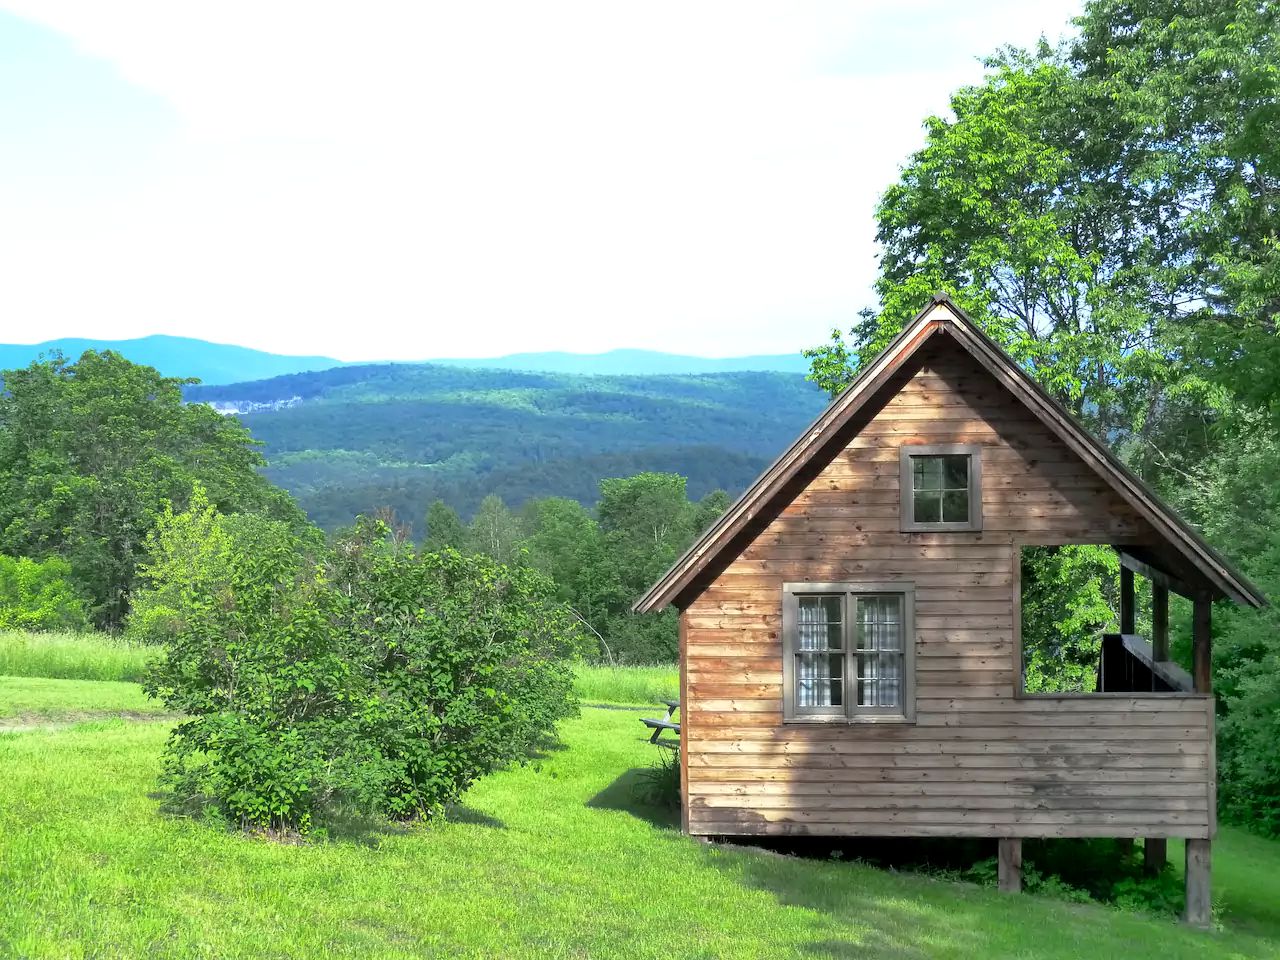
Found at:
<point>36,700</point>
<point>556,859</point>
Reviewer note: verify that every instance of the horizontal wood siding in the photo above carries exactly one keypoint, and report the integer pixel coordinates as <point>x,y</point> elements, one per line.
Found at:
<point>978,761</point>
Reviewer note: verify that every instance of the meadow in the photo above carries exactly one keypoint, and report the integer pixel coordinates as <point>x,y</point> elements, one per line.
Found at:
<point>572,855</point>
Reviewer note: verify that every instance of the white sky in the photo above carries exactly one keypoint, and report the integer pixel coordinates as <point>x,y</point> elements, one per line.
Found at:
<point>414,180</point>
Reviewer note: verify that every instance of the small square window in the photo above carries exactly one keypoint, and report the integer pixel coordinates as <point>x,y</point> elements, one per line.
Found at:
<point>941,488</point>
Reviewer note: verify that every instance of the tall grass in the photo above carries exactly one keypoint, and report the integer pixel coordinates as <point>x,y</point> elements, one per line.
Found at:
<point>638,685</point>
<point>98,656</point>
<point>71,656</point>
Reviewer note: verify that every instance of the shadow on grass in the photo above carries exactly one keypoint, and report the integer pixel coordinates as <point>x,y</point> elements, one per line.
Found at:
<point>636,793</point>
<point>457,813</point>
<point>886,915</point>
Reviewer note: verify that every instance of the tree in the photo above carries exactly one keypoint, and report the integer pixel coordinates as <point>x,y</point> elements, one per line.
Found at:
<point>444,529</point>
<point>709,510</point>
<point>494,530</point>
<point>39,595</point>
<point>91,451</point>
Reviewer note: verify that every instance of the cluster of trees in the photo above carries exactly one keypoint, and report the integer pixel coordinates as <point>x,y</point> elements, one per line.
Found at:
<point>600,561</point>
<point>1109,210</point>
<point>91,453</point>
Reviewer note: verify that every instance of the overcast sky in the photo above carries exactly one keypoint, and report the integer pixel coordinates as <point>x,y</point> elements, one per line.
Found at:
<point>417,180</point>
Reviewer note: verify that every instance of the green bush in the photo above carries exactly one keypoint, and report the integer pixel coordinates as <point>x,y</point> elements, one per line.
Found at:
<point>38,595</point>
<point>367,676</point>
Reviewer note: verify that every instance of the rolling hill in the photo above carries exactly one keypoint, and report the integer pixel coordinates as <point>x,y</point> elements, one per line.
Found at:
<point>220,364</point>
<point>354,438</point>
<point>175,357</point>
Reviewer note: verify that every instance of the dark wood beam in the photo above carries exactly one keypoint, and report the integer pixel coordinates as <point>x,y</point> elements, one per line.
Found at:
<point>1127,607</point>
<point>1157,576</point>
<point>1159,622</point>
<point>1202,645</point>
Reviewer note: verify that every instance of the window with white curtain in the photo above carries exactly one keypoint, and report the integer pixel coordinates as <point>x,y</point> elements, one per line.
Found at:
<point>849,651</point>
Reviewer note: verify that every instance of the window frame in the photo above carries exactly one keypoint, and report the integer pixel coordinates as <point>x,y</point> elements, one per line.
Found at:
<point>906,485</point>
<point>849,711</point>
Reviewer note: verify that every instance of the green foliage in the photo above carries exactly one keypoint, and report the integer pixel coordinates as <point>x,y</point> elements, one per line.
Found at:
<point>367,676</point>
<point>91,451</point>
<point>1237,494</point>
<point>1068,596</point>
<point>39,595</point>
<point>444,528</point>
<point>494,530</point>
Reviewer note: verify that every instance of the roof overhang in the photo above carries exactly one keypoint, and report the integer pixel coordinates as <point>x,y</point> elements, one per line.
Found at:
<point>941,317</point>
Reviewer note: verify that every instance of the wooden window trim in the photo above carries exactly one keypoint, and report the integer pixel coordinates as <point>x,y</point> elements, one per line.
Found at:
<point>907,488</point>
<point>850,712</point>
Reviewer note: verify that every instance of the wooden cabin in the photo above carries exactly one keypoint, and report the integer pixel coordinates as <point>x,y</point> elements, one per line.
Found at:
<point>850,655</point>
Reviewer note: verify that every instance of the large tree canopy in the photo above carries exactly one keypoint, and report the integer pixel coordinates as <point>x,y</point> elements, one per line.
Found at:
<point>1109,211</point>
<point>90,453</point>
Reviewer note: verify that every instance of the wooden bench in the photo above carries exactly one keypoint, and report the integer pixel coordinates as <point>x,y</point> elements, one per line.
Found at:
<point>658,726</point>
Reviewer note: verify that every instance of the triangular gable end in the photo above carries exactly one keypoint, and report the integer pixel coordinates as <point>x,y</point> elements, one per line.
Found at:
<point>941,317</point>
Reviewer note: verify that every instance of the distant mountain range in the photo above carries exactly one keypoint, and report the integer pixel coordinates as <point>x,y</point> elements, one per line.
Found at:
<point>219,363</point>
<point>355,438</point>
<point>637,362</point>
<point>176,357</point>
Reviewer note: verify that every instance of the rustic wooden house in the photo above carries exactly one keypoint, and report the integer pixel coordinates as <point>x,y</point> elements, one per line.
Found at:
<point>850,647</point>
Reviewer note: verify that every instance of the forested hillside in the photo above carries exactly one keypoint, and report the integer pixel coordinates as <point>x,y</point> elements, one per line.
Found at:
<point>359,438</point>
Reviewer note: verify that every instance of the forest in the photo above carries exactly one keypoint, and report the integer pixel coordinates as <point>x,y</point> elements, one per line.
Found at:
<point>404,435</point>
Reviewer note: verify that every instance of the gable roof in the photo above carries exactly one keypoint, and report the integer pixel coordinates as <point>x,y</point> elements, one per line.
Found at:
<point>941,317</point>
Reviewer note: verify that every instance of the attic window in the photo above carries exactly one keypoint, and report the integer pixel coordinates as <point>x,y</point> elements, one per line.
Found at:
<point>941,487</point>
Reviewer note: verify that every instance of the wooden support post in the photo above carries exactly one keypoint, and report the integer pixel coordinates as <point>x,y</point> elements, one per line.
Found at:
<point>1199,911</point>
<point>1127,612</point>
<point>1202,645</point>
<point>1010,869</point>
<point>1159,623</point>
<point>1155,854</point>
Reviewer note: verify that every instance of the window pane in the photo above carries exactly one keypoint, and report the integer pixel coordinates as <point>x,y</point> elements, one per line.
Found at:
<point>955,472</point>
<point>927,472</point>
<point>927,507</point>
<point>879,680</point>
<point>819,680</point>
<point>955,506</point>
<point>819,625</point>
<point>880,651</point>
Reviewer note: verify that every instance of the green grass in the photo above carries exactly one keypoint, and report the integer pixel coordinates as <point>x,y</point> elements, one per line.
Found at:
<point>41,700</point>
<point>557,859</point>
<point>71,656</point>
<point>643,686</point>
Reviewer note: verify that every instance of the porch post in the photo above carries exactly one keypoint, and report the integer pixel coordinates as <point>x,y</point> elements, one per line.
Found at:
<point>1127,618</point>
<point>1200,850</point>
<point>1155,850</point>
<point>1010,864</point>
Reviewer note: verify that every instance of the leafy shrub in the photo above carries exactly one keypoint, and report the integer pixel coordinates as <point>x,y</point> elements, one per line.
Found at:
<point>38,595</point>
<point>463,665</point>
<point>367,676</point>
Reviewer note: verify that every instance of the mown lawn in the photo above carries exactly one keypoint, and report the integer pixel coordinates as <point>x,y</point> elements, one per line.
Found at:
<point>558,859</point>
<point>26,700</point>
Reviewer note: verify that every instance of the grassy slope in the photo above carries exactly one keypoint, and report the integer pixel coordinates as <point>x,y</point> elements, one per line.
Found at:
<point>558,859</point>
